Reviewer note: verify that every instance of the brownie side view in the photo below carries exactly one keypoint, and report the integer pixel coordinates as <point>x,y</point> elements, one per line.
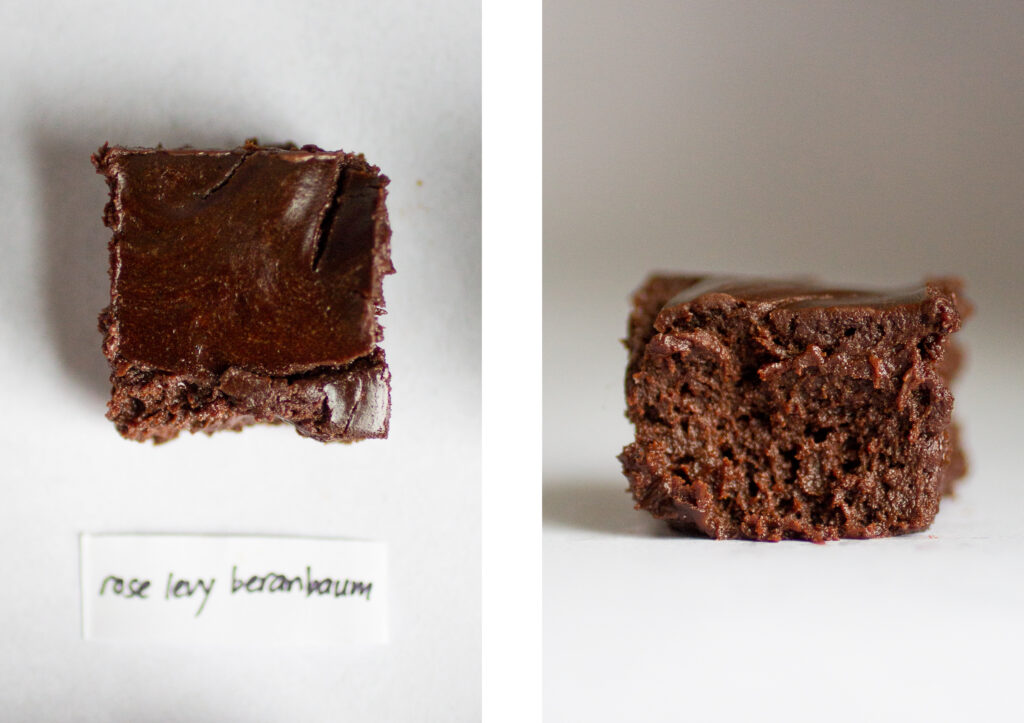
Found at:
<point>772,410</point>
<point>245,287</point>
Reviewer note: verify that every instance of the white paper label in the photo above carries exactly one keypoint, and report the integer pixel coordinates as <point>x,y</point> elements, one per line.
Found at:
<point>233,589</point>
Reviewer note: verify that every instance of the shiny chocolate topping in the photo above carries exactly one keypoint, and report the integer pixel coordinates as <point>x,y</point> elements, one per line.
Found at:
<point>266,259</point>
<point>800,293</point>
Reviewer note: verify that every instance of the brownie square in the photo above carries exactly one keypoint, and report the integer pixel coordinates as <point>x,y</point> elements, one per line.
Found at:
<point>245,287</point>
<point>785,409</point>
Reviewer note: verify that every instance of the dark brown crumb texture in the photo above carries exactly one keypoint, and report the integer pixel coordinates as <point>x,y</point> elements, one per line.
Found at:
<point>775,410</point>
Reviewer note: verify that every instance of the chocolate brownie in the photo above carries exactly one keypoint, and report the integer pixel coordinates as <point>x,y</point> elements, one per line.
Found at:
<point>786,409</point>
<point>245,287</point>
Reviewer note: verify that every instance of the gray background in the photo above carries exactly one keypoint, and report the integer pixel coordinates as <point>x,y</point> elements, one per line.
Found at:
<point>868,143</point>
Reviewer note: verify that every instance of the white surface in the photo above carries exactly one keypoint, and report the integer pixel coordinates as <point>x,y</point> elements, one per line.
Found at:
<point>861,142</point>
<point>512,360</point>
<point>203,589</point>
<point>398,81</point>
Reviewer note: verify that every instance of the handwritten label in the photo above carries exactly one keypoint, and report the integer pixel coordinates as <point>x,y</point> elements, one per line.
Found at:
<point>219,588</point>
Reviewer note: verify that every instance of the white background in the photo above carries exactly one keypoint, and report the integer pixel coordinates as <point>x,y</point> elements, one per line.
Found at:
<point>867,143</point>
<point>398,81</point>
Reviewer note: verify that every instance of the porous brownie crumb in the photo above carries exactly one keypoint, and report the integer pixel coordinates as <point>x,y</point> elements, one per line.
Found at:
<point>773,410</point>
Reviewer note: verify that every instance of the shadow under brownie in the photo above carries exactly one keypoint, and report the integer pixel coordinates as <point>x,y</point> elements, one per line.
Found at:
<point>784,409</point>
<point>245,287</point>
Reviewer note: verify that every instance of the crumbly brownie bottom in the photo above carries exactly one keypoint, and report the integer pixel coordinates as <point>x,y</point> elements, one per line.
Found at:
<point>328,404</point>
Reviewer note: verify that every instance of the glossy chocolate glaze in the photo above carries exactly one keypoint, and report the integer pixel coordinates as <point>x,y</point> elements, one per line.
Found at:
<point>260,258</point>
<point>797,293</point>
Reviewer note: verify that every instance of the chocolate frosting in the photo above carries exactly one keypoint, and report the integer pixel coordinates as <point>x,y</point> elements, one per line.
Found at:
<point>265,259</point>
<point>797,293</point>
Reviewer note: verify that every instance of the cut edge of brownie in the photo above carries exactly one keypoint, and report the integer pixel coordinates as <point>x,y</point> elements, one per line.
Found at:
<point>716,490</point>
<point>343,404</point>
<point>346,403</point>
